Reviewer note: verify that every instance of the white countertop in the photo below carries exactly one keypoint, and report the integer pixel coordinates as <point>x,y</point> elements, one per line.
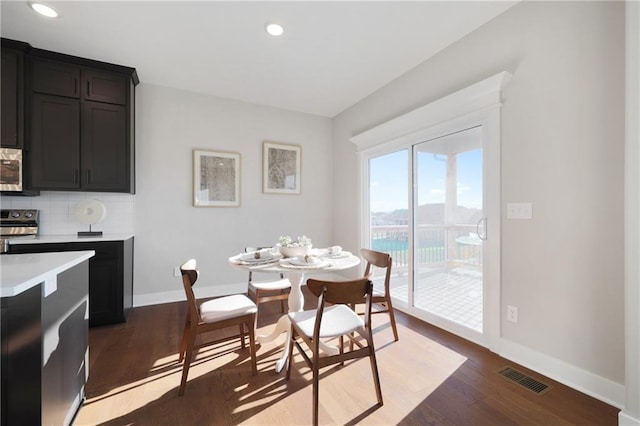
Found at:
<point>20,272</point>
<point>71,238</point>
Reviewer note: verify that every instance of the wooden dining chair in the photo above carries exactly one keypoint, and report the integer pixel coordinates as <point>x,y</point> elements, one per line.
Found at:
<point>268,290</point>
<point>227,311</point>
<point>376,259</point>
<point>337,320</point>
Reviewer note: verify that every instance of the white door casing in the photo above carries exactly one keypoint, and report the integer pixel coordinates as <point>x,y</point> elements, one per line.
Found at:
<point>476,105</point>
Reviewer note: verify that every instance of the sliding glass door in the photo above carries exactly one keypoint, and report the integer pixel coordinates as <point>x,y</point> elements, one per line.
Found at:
<point>389,217</point>
<point>444,237</point>
<point>426,210</point>
<point>448,228</point>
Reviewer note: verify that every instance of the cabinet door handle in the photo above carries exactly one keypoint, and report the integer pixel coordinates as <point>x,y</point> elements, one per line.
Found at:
<point>75,175</point>
<point>88,88</point>
<point>75,86</point>
<point>88,176</point>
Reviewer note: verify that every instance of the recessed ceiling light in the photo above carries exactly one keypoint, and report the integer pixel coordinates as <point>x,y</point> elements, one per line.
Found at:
<point>274,29</point>
<point>44,9</point>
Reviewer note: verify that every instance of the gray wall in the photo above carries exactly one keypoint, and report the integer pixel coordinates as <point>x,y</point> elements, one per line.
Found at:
<point>169,230</point>
<point>562,150</point>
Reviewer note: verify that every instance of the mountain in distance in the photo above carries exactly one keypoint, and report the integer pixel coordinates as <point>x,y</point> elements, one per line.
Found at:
<point>427,213</point>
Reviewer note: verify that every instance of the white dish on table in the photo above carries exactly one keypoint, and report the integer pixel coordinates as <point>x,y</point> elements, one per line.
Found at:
<point>341,255</point>
<point>265,258</point>
<point>311,262</point>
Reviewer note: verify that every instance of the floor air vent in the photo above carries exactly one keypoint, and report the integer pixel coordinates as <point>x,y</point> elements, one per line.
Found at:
<point>524,380</point>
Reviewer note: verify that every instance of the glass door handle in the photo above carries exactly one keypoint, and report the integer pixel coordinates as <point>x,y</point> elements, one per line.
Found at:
<point>482,223</point>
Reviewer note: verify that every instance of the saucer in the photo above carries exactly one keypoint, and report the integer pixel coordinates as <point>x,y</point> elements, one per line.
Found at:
<point>341,255</point>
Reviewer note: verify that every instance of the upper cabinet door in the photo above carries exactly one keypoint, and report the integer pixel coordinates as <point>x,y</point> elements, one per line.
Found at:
<point>104,87</point>
<point>12,98</point>
<point>55,143</point>
<point>56,78</point>
<point>105,153</point>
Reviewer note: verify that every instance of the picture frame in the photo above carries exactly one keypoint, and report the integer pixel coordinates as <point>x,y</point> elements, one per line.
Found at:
<point>216,178</point>
<point>281,168</point>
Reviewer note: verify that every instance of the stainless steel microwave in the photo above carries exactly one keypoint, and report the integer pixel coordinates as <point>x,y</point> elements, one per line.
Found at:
<point>10,169</point>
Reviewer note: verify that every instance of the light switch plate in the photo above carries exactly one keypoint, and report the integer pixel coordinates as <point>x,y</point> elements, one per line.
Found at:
<point>519,211</point>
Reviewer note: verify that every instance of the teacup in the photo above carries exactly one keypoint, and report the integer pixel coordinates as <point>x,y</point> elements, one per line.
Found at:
<point>335,250</point>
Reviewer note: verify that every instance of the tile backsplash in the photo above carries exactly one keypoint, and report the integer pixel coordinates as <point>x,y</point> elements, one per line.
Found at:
<point>56,211</point>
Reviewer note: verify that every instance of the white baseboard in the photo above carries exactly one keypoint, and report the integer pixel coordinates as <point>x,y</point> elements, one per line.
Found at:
<point>626,420</point>
<point>581,380</point>
<point>178,295</point>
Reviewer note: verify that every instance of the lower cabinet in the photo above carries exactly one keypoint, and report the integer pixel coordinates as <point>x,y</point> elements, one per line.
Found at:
<point>44,360</point>
<point>21,358</point>
<point>110,276</point>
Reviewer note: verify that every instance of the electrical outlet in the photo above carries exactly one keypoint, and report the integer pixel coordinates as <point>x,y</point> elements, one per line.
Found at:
<point>512,313</point>
<point>176,271</point>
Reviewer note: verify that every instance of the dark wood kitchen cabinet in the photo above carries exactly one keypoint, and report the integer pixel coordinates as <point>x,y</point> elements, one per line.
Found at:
<point>56,78</point>
<point>83,123</point>
<point>110,276</point>
<point>104,148</point>
<point>55,152</point>
<point>105,87</point>
<point>73,81</point>
<point>13,94</point>
<point>15,106</point>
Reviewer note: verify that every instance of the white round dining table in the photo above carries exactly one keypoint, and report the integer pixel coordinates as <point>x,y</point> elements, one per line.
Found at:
<point>295,272</point>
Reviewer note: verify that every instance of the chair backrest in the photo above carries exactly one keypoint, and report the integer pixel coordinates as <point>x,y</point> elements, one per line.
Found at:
<point>189,278</point>
<point>380,260</point>
<point>340,292</point>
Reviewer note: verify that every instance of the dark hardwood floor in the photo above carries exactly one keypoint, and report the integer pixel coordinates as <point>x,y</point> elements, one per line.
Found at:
<point>429,377</point>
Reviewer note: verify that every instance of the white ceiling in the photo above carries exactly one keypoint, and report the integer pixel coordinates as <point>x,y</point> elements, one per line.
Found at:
<point>332,53</point>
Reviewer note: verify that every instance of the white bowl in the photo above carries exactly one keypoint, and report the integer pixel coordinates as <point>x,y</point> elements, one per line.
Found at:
<point>295,251</point>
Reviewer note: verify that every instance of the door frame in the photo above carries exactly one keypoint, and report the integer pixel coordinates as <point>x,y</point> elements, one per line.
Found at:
<point>476,105</point>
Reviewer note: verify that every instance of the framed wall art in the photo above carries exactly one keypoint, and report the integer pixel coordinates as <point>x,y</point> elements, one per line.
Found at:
<point>216,179</point>
<point>281,168</point>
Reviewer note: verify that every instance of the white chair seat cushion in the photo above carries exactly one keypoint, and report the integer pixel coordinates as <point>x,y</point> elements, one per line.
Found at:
<point>271,285</point>
<point>337,320</point>
<point>226,307</point>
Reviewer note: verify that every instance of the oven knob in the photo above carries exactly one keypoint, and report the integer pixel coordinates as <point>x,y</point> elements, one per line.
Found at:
<point>28,214</point>
<point>15,214</point>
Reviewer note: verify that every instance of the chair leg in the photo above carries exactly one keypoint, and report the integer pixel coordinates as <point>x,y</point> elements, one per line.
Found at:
<point>392,318</point>
<point>183,342</point>
<point>342,349</point>
<point>353,308</point>
<point>316,388</point>
<point>290,360</point>
<point>187,360</point>
<point>242,333</point>
<point>252,344</point>
<point>255,297</point>
<point>374,370</point>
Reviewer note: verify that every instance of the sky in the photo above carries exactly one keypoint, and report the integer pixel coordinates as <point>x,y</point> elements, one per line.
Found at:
<point>389,180</point>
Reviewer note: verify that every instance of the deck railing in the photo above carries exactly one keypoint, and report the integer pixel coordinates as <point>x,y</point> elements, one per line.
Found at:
<point>438,244</point>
